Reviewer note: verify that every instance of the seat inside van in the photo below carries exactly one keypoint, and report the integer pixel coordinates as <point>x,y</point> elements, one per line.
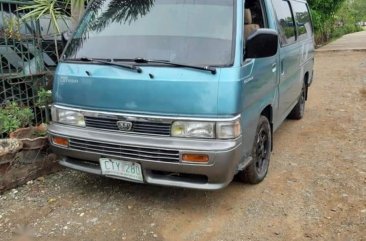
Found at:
<point>249,26</point>
<point>253,17</point>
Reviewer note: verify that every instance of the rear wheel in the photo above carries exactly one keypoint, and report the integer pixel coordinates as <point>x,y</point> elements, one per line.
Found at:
<point>298,111</point>
<point>261,153</point>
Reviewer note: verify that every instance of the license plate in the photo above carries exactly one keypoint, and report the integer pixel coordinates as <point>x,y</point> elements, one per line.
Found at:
<point>122,169</point>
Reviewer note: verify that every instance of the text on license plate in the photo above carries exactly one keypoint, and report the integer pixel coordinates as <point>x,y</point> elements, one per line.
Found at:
<point>123,169</point>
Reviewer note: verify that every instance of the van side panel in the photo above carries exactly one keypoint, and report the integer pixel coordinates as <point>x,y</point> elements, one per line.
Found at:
<point>259,91</point>
<point>308,53</point>
<point>307,60</point>
<point>260,80</point>
<point>230,87</point>
<point>290,80</point>
<point>229,93</point>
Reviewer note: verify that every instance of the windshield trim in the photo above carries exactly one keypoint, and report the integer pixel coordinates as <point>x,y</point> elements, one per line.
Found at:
<point>233,44</point>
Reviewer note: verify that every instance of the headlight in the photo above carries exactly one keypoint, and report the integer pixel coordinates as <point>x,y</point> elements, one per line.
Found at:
<point>68,117</point>
<point>193,129</point>
<point>228,130</point>
<point>209,130</point>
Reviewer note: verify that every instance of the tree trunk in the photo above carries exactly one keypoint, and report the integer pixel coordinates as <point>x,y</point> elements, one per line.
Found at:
<point>77,11</point>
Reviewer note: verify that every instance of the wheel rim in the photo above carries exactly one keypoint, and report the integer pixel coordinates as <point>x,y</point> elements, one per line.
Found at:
<point>262,151</point>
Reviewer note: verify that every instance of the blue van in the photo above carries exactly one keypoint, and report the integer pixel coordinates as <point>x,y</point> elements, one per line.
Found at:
<point>181,93</point>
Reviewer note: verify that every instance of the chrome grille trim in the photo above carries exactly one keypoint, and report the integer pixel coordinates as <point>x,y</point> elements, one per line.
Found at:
<point>154,128</point>
<point>153,118</point>
<point>124,151</point>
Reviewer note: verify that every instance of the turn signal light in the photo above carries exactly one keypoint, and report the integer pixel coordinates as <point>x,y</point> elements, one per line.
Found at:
<point>60,141</point>
<point>195,158</point>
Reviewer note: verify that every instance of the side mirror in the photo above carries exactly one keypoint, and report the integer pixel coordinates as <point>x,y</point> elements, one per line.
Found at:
<point>65,37</point>
<point>261,44</point>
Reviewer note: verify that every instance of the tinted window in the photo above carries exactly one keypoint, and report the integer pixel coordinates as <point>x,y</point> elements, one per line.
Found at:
<point>285,22</point>
<point>303,21</point>
<point>198,32</point>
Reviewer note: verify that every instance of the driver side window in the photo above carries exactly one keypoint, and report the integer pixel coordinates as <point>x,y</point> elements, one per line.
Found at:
<point>254,17</point>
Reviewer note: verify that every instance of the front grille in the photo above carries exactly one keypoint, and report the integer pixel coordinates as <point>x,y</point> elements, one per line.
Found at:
<point>123,151</point>
<point>153,128</point>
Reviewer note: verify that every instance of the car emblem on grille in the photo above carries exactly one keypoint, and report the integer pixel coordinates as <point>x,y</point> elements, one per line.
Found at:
<point>124,125</point>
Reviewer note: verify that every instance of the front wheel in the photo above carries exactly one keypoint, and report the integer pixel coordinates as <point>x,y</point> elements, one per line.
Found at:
<point>261,153</point>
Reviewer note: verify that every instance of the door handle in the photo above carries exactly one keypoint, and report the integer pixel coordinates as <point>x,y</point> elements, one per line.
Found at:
<point>282,68</point>
<point>274,67</point>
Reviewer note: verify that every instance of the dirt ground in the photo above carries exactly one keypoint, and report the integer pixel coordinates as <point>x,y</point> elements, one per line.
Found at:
<point>316,188</point>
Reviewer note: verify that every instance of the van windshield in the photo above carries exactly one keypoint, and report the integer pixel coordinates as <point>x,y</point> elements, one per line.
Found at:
<point>195,32</point>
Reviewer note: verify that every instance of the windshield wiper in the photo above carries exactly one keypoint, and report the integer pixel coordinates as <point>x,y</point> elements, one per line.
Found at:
<point>167,62</point>
<point>111,62</point>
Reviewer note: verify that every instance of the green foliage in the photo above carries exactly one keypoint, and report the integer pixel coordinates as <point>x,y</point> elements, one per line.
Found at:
<point>13,116</point>
<point>323,12</point>
<point>352,12</point>
<point>40,131</point>
<point>57,9</point>
<point>325,8</point>
<point>12,26</point>
<point>44,97</point>
<point>120,11</point>
<point>44,7</point>
<point>358,8</point>
<point>339,32</point>
<point>334,18</point>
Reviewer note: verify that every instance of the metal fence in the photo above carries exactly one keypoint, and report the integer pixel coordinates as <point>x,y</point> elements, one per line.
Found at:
<point>22,66</point>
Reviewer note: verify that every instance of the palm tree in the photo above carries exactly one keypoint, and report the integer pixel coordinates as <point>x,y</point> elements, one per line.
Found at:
<point>57,10</point>
<point>121,11</point>
<point>77,10</point>
<point>116,11</point>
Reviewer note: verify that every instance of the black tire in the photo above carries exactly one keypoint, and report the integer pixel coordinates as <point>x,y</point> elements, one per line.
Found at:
<point>261,153</point>
<point>298,111</point>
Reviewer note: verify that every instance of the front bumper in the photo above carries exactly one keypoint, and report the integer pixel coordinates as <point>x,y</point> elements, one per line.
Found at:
<point>224,157</point>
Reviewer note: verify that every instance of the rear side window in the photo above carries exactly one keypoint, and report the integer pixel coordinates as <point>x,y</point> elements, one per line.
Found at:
<point>286,23</point>
<point>303,20</point>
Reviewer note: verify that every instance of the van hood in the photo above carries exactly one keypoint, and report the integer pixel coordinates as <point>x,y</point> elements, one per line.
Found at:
<point>157,90</point>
